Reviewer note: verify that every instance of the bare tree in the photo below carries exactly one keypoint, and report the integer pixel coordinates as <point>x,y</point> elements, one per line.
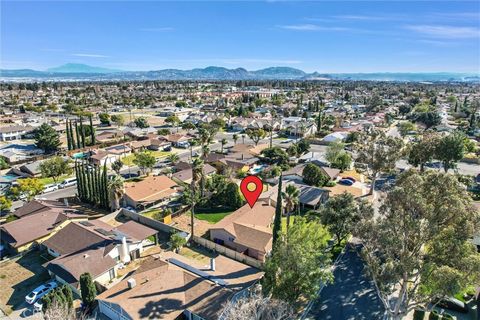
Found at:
<point>257,307</point>
<point>57,311</point>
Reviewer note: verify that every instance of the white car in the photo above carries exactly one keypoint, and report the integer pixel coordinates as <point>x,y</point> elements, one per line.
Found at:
<point>40,291</point>
<point>68,183</point>
<point>50,188</point>
<point>37,306</point>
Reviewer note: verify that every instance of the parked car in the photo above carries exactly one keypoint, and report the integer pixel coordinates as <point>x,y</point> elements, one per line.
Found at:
<point>40,291</point>
<point>346,182</point>
<point>68,183</point>
<point>38,306</point>
<point>350,178</point>
<point>50,188</point>
<point>167,148</point>
<point>452,304</point>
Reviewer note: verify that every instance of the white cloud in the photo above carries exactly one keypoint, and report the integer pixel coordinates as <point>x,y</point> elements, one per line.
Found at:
<point>89,55</point>
<point>448,32</point>
<point>312,27</point>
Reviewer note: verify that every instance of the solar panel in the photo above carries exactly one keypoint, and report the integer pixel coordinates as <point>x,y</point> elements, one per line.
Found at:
<point>103,231</point>
<point>198,272</point>
<point>86,223</point>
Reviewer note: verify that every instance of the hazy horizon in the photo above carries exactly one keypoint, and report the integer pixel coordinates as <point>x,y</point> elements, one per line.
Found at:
<point>327,37</point>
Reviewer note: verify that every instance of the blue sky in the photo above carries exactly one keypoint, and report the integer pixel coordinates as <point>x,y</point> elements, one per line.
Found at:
<point>326,36</point>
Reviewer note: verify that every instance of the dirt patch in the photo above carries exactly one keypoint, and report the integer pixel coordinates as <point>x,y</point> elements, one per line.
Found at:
<point>183,222</point>
<point>20,276</point>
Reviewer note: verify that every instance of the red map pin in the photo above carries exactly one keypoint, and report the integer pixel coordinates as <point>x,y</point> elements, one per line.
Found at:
<point>251,187</point>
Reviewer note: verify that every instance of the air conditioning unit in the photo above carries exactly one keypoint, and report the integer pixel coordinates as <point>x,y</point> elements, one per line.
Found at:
<point>131,283</point>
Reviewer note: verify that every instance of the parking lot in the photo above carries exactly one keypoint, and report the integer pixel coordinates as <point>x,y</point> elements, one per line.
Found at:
<point>18,277</point>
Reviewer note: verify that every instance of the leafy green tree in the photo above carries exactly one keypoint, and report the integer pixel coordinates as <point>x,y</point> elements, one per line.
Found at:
<point>30,187</point>
<point>3,163</point>
<point>292,150</point>
<point>297,267</point>
<point>87,289</point>
<point>418,248</point>
<point>55,167</point>
<point>173,120</point>
<point>188,126</point>
<point>46,138</point>
<point>5,204</point>
<point>334,150</point>
<point>231,196</point>
<point>313,176</point>
<point>429,119</point>
<point>223,142</point>
<point>343,161</point>
<point>451,149</point>
<point>275,155</point>
<point>341,213</point>
<point>117,166</point>
<point>145,161</point>
<point>405,127</point>
<point>235,138</point>
<point>163,132</point>
<point>104,118</point>
<point>379,153</point>
<point>303,146</point>
<point>177,241</point>
<point>291,196</point>
<point>423,151</point>
<point>277,222</point>
<point>141,122</point>
<point>256,134</point>
<point>117,119</point>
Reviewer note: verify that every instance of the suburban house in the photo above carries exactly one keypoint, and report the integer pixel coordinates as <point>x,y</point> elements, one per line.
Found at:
<point>176,287</point>
<point>14,132</point>
<point>178,140</point>
<point>96,247</point>
<point>151,190</point>
<point>247,230</point>
<point>101,157</point>
<point>108,136</point>
<point>36,206</point>
<point>33,229</point>
<point>185,175</point>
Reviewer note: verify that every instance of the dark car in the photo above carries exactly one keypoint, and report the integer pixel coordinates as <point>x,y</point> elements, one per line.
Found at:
<point>346,182</point>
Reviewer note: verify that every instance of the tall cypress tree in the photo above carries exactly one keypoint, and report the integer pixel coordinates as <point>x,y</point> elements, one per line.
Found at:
<point>69,142</point>
<point>89,186</point>
<point>277,223</point>
<point>72,137</point>
<point>78,136</point>
<point>92,134</point>
<point>82,133</point>
<point>79,184</point>
<point>105,186</point>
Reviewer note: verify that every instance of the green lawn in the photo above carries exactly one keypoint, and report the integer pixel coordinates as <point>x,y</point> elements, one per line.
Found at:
<point>212,217</point>
<point>128,160</point>
<point>46,181</point>
<point>284,222</point>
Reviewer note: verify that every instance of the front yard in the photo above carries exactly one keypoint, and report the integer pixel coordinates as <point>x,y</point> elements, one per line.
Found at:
<point>128,160</point>
<point>20,276</point>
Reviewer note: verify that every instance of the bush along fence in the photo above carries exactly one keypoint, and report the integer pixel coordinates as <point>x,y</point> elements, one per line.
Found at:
<point>76,133</point>
<point>92,184</point>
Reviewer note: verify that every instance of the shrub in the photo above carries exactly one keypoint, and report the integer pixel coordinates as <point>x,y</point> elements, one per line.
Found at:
<point>177,241</point>
<point>434,316</point>
<point>418,314</point>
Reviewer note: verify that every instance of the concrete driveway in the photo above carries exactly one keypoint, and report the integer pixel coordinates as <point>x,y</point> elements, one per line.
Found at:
<point>352,296</point>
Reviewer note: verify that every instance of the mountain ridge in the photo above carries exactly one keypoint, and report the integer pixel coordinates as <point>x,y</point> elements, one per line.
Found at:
<point>75,71</point>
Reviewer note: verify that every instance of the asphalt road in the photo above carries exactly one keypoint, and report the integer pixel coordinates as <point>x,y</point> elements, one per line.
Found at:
<point>60,193</point>
<point>352,296</point>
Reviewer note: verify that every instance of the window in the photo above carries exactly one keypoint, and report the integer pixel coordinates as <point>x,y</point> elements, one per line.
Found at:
<point>111,273</point>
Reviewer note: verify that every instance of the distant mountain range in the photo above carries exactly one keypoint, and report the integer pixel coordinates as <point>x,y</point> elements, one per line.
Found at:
<point>83,72</point>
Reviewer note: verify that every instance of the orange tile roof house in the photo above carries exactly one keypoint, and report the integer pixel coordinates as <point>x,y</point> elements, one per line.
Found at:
<point>247,230</point>
<point>149,191</point>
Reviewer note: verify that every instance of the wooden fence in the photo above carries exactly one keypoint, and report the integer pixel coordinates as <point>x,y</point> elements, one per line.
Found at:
<point>228,252</point>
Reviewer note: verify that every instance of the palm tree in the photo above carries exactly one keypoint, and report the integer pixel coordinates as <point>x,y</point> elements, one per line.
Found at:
<point>243,138</point>
<point>235,138</point>
<point>290,195</point>
<point>197,175</point>
<point>205,151</point>
<point>116,190</point>
<point>173,158</point>
<point>223,142</point>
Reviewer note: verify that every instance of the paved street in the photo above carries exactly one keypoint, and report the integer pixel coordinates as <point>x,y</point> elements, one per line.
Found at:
<point>352,296</point>
<point>60,193</point>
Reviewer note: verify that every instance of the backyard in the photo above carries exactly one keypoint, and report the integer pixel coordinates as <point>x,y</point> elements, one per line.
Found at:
<point>128,160</point>
<point>212,217</point>
<point>20,276</point>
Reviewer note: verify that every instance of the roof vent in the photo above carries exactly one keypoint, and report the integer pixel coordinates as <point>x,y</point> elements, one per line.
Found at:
<point>131,283</point>
<point>85,256</point>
